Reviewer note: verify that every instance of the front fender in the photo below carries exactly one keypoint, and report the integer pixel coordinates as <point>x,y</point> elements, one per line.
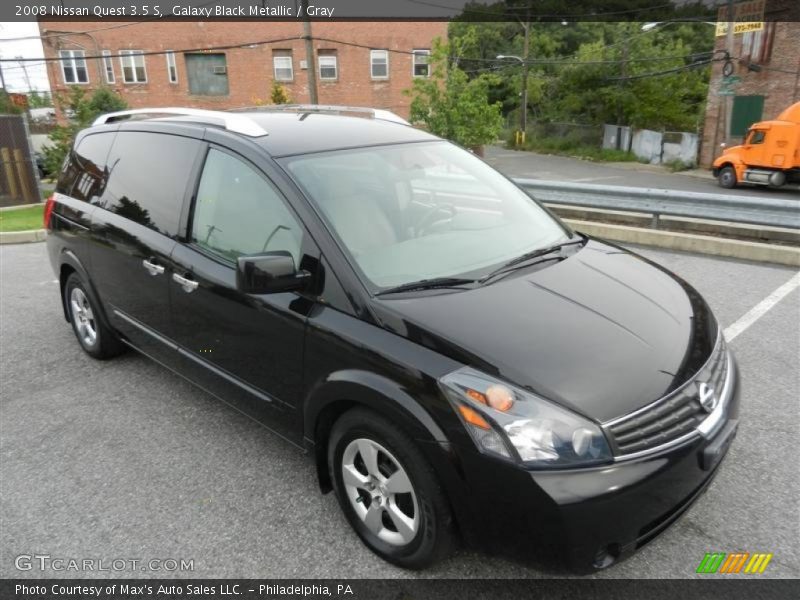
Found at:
<point>373,391</point>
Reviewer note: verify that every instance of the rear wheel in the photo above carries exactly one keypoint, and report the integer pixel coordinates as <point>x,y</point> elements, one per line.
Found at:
<point>727,177</point>
<point>95,338</point>
<point>388,491</point>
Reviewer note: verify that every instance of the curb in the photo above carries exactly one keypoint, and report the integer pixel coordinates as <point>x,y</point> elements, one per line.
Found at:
<point>22,237</point>
<point>701,244</point>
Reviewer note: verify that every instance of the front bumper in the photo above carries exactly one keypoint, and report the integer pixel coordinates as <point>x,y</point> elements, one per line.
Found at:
<point>591,517</point>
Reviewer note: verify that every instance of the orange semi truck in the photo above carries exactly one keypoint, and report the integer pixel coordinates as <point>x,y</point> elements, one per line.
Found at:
<point>770,154</point>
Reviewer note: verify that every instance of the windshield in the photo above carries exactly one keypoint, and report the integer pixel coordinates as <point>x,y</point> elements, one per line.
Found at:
<point>412,212</point>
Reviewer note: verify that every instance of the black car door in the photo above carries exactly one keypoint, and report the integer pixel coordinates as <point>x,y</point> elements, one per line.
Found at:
<point>245,348</point>
<point>134,232</point>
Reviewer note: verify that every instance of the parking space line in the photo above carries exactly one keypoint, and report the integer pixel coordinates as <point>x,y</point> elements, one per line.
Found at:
<point>760,309</point>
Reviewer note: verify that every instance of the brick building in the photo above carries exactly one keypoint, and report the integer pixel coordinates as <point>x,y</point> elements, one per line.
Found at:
<point>768,65</point>
<point>357,63</point>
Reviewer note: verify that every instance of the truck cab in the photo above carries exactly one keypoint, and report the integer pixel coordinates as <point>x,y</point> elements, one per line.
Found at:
<point>770,154</point>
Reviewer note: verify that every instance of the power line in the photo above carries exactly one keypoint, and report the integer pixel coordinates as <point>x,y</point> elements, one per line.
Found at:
<point>665,72</point>
<point>508,11</point>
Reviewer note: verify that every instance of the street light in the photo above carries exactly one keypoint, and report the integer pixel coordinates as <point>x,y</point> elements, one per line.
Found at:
<point>652,25</point>
<point>523,115</point>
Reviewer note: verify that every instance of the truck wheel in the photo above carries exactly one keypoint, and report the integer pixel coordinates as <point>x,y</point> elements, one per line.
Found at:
<point>727,177</point>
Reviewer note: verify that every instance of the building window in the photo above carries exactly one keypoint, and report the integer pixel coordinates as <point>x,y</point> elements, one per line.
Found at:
<point>172,68</point>
<point>73,66</point>
<point>207,74</point>
<point>421,63</point>
<point>108,66</point>
<point>379,64</point>
<point>757,45</point>
<point>282,65</point>
<point>133,69</point>
<point>328,70</point>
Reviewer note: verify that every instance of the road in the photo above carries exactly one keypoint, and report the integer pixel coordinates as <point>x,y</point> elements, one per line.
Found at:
<point>122,459</point>
<point>562,168</point>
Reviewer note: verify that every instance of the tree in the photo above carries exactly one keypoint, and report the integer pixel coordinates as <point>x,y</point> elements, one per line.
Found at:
<point>279,94</point>
<point>453,106</point>
<point>80,111</point>
<point>7,107</point>
<point>39,100</point>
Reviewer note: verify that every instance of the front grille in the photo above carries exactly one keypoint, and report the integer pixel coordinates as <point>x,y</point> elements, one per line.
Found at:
<point>675,415</point>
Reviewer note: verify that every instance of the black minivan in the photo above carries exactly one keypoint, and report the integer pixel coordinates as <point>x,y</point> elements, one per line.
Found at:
<point>458,362</point>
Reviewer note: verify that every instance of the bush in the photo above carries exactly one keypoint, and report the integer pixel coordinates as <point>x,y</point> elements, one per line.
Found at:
<point>451,105</point>
<point>571,146</point>
<point>81,111</point>
<point>675,165</point>
<point>279,94</point>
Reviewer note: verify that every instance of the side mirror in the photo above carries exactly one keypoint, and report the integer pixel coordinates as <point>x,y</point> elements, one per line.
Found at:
<point>269,273</point>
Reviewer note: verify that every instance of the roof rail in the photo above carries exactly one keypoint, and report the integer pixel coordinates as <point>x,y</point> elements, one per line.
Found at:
<point>232,122</point>
<point>375,113</point>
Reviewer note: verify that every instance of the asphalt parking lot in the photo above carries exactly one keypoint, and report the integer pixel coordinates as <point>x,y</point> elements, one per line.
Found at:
<point>122,459</point>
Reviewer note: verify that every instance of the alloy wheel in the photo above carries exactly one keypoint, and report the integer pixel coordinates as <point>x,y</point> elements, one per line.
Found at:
<point>83,317</point>
<point>380,492</point>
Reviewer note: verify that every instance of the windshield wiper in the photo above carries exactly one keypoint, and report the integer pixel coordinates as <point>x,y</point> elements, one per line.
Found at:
<point>519,261</point>
<point>427,284</point>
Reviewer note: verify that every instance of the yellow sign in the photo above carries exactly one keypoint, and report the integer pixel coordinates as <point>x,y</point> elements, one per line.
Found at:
<point>747,16</point>
<point>722,28</point>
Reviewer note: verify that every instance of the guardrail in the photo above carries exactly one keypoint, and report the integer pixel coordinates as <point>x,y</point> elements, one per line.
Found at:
<point>752,210</point>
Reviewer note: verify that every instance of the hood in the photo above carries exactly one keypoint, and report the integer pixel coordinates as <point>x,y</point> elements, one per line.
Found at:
<point>603,332</point>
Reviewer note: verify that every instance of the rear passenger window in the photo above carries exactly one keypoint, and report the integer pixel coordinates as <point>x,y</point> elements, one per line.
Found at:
<point>149,173</point>
<point>238,212</point>
<point>85,175</point>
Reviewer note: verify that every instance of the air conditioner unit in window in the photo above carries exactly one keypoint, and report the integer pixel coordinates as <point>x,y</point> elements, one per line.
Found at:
<point>303,64</point>
<point>220,70</point>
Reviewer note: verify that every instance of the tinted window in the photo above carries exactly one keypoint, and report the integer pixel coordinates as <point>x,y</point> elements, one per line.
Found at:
<point>757,137</point>
<point>238,212</point>
<point>149,173</point>
<point>84,174</point>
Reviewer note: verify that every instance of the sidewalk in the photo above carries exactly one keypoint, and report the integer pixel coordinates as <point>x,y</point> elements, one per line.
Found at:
<point>636,166</point>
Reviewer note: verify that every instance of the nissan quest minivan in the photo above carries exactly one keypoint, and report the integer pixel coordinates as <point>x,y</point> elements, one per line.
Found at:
<point>458,363</point>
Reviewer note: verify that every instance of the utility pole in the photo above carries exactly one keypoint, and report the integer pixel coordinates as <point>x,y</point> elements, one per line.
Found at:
<point>2,79</point>
<point>623,68</point>
<point>523,113</point>
<point>312,68</point>
<point>729,99</point>
<point>24,66</point>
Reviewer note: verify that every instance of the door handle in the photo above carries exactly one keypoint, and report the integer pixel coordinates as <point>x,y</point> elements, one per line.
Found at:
<point>188,285</point>
<point>153,268</point>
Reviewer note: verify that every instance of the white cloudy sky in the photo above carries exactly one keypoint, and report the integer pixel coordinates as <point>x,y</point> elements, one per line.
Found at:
<point>31,47</point>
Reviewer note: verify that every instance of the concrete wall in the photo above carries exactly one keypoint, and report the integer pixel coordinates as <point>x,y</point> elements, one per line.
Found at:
<point>646,144</point>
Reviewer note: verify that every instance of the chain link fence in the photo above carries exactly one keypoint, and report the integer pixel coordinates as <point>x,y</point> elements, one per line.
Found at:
<point>19,181</point>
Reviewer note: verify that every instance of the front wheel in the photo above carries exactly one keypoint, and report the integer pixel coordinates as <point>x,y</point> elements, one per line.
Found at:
<point>727,177</point>
<point>388,491</point>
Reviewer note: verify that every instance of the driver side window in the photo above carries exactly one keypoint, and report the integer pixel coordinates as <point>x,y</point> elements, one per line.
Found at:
<point>757,137</point>
<point>238,212</point>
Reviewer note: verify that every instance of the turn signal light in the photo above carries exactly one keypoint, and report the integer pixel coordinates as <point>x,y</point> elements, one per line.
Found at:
<point>472,417</point>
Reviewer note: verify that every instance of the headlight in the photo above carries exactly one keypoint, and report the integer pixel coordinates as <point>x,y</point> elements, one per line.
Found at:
<point>506,421</point>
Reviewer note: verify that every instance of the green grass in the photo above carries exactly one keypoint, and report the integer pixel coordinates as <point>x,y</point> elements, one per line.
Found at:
<point>565,146</point>
<point>21,219</point>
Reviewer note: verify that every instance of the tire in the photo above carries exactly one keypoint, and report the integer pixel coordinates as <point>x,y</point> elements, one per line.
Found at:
<point>425,535</point>
<point>727,177</point>
<point>96,339</point>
